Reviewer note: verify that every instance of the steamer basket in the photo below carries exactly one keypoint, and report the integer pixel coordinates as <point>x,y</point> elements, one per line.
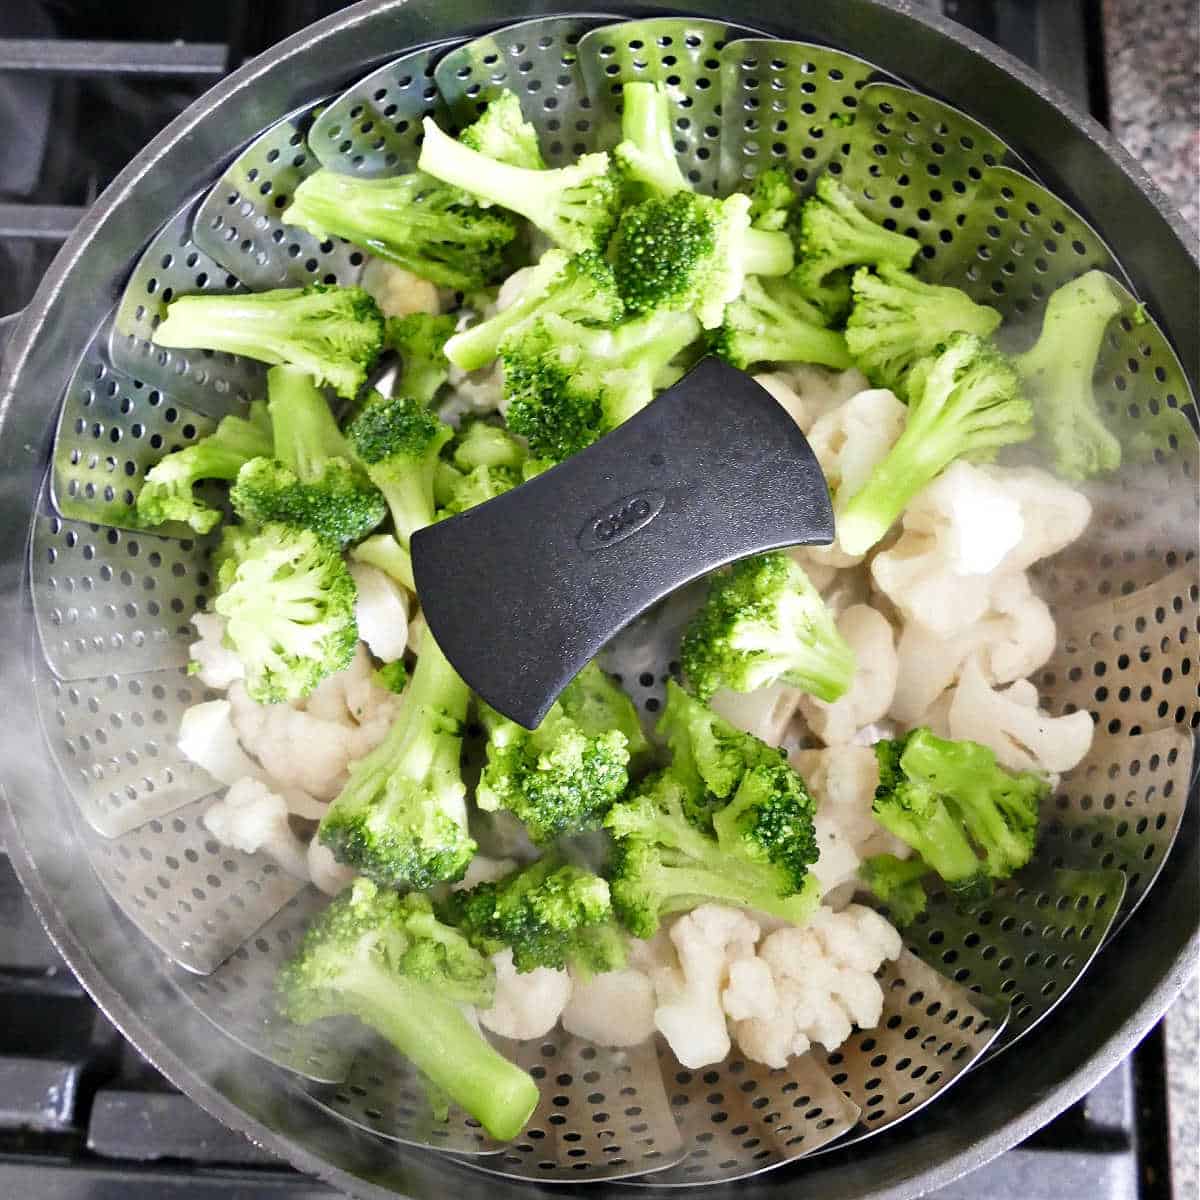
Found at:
<point>201,929</point>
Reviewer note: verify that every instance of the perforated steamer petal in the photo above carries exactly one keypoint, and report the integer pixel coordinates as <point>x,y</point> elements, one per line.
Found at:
<point>1010,254</point>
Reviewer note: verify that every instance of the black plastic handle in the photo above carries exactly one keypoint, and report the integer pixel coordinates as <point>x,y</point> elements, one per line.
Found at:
<point>523,591</point>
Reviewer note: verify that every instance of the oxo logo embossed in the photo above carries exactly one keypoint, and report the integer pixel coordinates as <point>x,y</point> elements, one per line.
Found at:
<point>619,520</point>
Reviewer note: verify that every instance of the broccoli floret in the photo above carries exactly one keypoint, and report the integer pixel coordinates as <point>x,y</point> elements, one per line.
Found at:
<point>166,493</point>
<point>1058,372</point>
<point>333,333</point>
<point>503,133</point>
<point>564,775</point>
<point>897,320</point>
<point>567,384</point>
<point>755,852</point>
<point>969,819</point>
<point>398,441</point>
<point>967,400</point>
<point>311,481</point>
<point>763,621</point>
<point>387,555</point>
<point>772,200</point>
<point>288,601</point>
<point>575,206</point>
<point>477,486</point>
<point>772,322</point>
<point>549,914</point>
<point>646,154</point>
<point>420,340</point>
<point>692,253</point>
<point>392,677</point>
<point>896,884</point>
<point>416,222</point>
<point>832,234</point>
<point>580,288</point>
<point>387,961</point>
<point>480,444</point>
<point>401,819</point>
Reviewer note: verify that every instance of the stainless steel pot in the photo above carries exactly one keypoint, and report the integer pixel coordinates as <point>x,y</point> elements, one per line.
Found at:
<point>1118,999</point>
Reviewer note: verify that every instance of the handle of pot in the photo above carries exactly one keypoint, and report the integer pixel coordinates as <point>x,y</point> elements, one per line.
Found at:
<point>7,325</point>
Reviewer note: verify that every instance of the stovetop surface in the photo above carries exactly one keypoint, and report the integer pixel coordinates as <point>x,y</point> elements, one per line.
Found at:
<point>82,1115</point>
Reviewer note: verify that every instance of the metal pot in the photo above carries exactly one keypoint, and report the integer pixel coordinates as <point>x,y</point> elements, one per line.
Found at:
<point>1116,1002</point>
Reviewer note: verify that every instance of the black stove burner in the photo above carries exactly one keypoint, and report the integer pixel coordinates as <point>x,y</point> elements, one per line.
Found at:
<point>82,1115</point>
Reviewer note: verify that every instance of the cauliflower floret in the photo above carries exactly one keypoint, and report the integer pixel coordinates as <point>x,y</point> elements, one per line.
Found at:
<point>1054,513</point>
<point>750,992</point>
<point>482,869</point>
<point>870,693</point>
<point>838,861</point>
<point>399,292</point>
<point>1011,640</point>
<point>471,392</point>
<point>1010,723</point>
<point>612,1009</point>
<point>381,611</point>
<point>824,976</point>
<point>526,1005</point>
<point>690,1013</point>
<point>251,818</point>
<point>808,392</point>
<point>216,666</point>
<point>766,713</point>
<point>325,871</point>
<point>511,290</point>
<point>208,738</point>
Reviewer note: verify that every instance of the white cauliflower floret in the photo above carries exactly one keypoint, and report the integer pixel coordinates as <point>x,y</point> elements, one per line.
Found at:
<point>208,738</point>
<point>1009,722</point>
<point>615,1008</point>
<point>1011,640</point>
<point>808,392</point>
<point>869,696</point>
<point>842,782</point>
<point>766,713</point>
<point>1054,513</point>
<point>381,611</point>
<point>251,818</point>
<point>216,666</point>
<point>471,392</point>
<point>398,292</point>
<point>750,992</point>
<point>511,290</point>
<point>824,976</point>
<point>482,869</point>
<point>525,1005</point>
<point>690,1014</point>
<point>838,861</point>
<point>325,871</point>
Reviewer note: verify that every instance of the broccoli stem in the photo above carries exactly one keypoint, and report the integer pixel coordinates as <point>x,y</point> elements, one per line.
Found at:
<point>647,150</point>
<point>383,552</point>
<point>435,1035</point>
<point>306,435</point>
<point>1058,374</point>
<point>938,837</point>
<point>768,253</point>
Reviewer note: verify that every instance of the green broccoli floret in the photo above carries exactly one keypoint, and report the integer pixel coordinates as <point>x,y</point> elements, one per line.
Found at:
<point>772,200</point>
<point>166,493</point>
<point>476,487</point>
<point>383,552</point>
<point>763,621</point>
<point>416,222</point>
<point>393,677</point>
<point>646,153</point>
<point>333,333</point>
<point>969,819</point>
<point>692,253</point>
<point>503,133</point>
<point>387,961</point>
<point>564,775</point>
<point>1058,373</point>
<point>420,340</point>
<point>831,234</point>
<point>288,601</point>
<point>311,481</point>
<point>772,322</point>
<point>897,320</point>
<point>967,400</point>
<point>481,444</point>
<point>896,884</point>
<point>679,845</point>
<point>401,819</point>
<point>549,914</point>
<point>574,206</point>
<point>398,441</point>
<point>567,384</point>
<point>580,288</point>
